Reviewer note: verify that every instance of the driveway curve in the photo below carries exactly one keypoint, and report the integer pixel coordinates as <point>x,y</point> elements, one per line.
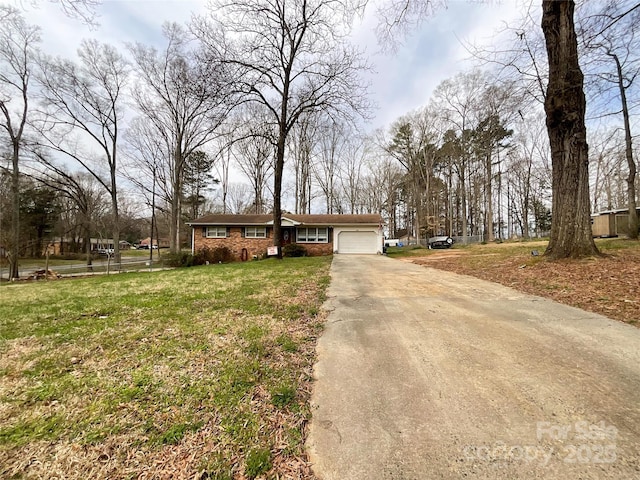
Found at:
<point>425,374</point>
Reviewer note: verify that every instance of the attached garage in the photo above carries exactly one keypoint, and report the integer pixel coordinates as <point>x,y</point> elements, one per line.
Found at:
<point>358,242</point>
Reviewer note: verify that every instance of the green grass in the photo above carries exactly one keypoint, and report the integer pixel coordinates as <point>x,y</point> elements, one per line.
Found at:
<point>209,359</point>
<point>506,249</point>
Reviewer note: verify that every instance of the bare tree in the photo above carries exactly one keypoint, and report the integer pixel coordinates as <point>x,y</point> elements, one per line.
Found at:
<point>83,10</point>
<point>457,101</point>
<point>396,18</point>
<point>144,158</point>
<point>380,190</point>
<point>565,106</point>
<point>610,37</point>
<point>352,172</point>
<point>330,146</point>
<point>18,46</point>
<point>519,55</point>
<point>292,58</point>
<point>526,172</point>
<point>607,152</point>
<point>301,145</point>
<point>239,197</point>
<point>253,152</point>
<point>85,193</point>
<point>407,145</point>
<point>222,166</point>
<point>185,101</point>
<point>82,106</point>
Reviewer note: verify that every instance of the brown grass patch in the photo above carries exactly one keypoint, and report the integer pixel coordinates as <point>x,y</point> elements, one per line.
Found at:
<point>608,285</point>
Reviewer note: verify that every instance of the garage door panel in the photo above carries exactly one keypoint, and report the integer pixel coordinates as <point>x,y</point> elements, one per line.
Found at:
<point>358,242</point>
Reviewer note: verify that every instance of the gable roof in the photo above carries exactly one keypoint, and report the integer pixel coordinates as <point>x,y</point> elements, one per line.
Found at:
<point>228,219</point>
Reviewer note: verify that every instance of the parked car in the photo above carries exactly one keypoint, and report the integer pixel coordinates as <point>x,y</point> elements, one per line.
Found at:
<point>440,242</point>
<point>106,251</point>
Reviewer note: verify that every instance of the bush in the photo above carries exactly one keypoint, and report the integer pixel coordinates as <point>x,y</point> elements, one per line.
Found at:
<point>294,250</point>
<point>180,259</point>
<point>213,255</point>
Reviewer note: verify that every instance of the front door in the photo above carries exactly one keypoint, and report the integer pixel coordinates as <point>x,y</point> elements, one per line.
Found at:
<point>287,235</point>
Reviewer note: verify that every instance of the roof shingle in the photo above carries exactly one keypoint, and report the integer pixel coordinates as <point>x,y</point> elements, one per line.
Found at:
<point>311,219</point>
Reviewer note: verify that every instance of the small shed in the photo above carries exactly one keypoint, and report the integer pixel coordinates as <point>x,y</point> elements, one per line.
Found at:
<point>611,223</point>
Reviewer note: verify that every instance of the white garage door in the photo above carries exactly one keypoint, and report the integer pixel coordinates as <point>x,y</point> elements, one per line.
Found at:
<point>358,242</point>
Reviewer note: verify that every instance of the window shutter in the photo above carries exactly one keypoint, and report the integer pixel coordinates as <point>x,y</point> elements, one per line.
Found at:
<point>228,232</point>
<point>242,231</point>
<point>204,232</point>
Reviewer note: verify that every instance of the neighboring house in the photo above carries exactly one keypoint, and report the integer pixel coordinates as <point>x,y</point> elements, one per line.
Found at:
<point>64,245</point>
<point>611,223</point>
<point>144,243</point>
<point>250,235</point>
<point>407,239</point>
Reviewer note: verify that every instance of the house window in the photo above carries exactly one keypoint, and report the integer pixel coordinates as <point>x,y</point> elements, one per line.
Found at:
<point>313,235</point>
<point>216,232</point>
<point>255,232</point>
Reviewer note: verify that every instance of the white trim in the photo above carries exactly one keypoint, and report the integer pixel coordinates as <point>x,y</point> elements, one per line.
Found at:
<point>256,228</point>
<point>315,240</point>
<point>217,235</point>
<point>285,222</point>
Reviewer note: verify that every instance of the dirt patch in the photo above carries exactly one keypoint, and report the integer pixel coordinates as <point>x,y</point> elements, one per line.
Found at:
<point>608,285</point>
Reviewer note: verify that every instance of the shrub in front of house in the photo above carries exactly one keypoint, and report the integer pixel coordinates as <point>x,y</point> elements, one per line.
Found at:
<point>213,255</point>
<point>179,259</point>
<point>294,250</point>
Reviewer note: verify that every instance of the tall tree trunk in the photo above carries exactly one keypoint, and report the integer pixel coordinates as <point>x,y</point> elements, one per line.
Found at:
<point>463,208</point>
<point>277,191</point>
<point>87,247</point>
<point>631,179</point>
<point>116,219</point>
<point>14,251</point>
<point>176,204</point>
<point>565,106</point>
<point>489,199</point>
<point>450,199</point>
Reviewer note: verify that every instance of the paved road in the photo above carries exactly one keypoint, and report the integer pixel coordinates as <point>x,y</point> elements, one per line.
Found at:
<point>424,374</point>
<point>127,264</point>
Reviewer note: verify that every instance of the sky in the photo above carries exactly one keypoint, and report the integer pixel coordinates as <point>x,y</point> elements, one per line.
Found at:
<point>402,81</point>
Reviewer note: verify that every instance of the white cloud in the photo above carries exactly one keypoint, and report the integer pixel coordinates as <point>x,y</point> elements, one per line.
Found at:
<point>406,78</point>
<point>119,22</point>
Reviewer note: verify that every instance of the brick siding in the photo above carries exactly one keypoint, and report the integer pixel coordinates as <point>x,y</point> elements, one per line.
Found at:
<point>318,249</point>
<point>255,246</point>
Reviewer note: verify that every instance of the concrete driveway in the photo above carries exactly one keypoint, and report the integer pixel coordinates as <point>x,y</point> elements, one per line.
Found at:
<point>425,374</point>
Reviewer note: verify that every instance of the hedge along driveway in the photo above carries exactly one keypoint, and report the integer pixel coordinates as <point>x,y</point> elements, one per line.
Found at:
<point>199,371</point>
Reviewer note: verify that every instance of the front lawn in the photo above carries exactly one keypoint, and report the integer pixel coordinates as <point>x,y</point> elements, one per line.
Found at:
<point>192,373</point>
